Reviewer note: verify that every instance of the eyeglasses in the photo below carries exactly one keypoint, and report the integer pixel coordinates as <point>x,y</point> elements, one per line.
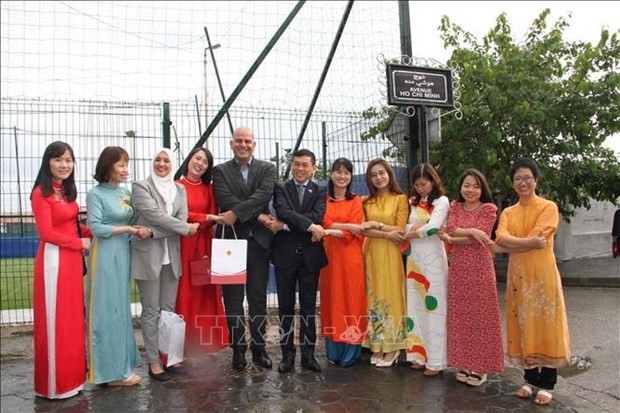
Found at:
<point>524,179</point>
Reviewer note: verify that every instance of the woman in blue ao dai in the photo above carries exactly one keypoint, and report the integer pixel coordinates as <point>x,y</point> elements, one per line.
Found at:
<point>112,349</point>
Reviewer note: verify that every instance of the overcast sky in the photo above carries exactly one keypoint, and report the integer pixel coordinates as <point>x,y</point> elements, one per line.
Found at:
<point>140,51</point>
<point>586,21</point>
<point>153,51</point>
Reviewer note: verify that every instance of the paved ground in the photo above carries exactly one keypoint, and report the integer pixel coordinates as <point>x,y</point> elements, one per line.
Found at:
<point>594,322</point>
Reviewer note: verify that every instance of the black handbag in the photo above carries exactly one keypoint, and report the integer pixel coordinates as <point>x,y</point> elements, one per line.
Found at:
<point>84,267</point>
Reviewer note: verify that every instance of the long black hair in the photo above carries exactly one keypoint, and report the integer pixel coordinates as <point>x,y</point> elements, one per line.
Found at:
<point>393,186</point>
<point>206,177</point>
<point>44,177</point>
<point>426,171</point>
<point>348,165</point>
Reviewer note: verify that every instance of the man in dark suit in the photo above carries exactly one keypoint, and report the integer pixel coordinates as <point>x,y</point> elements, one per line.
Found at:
<point>298,255</point>
<point>243,188</point>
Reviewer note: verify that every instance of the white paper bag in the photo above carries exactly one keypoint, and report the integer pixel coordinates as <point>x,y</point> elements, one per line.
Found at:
<point>171,336</point>
<point>229,258</point>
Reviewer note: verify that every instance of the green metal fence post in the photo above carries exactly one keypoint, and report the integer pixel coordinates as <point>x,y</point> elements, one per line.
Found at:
<point>324,141</point>
<point>165,124</point>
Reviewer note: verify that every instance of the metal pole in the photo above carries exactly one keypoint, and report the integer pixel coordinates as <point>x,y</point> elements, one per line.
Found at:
<point>217,75</point>
<point>224,109</point>
<point>406,48</point>
<point>278,161</point>
<point>204,63</point>
<point>19,186</point>
<point>324,137</point>
<point>165,124</point>
<point>198,113</point>
<point>423,132</point>
<point>319,86</point>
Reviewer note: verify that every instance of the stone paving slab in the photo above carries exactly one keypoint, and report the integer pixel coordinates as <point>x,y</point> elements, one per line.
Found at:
<point>212,387</point>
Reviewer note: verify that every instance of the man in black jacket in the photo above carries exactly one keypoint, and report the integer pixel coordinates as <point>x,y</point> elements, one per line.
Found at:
<point>243,188</point>
<point>298,255</point>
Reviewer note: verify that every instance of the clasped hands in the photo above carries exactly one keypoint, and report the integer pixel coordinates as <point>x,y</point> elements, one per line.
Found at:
<point>274,225</point>
<point>397,236</point>
<point>140,231</point>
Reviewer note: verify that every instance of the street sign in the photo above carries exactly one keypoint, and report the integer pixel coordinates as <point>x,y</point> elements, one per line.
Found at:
<point>411,85</point>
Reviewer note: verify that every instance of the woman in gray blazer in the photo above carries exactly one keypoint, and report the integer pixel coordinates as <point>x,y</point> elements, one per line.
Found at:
<point>161,205</point>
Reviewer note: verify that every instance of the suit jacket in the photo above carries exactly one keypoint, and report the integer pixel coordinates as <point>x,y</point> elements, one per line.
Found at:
<point>147,256</point>
<point>299,218</point>
<point>247,201</point>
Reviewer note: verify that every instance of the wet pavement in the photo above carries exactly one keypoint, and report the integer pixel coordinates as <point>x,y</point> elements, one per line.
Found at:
<point>212,387</point>
<point>591,385</point>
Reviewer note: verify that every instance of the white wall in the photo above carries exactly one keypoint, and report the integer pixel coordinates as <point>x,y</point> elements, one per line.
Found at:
<point>588,235</point>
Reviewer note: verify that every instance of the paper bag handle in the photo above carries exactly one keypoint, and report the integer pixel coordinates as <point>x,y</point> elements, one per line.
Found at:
<point>233,229</point>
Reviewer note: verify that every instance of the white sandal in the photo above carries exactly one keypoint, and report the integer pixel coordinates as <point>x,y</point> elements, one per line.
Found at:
<point>475,379</point>
<point>525,392</point>
<point>461,376</point>
<point>543,397</point>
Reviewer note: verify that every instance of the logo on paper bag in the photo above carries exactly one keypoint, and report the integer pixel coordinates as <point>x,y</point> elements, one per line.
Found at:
<point>228,261</point>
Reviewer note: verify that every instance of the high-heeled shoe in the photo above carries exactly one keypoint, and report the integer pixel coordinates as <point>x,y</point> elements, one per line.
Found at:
<point>163,376</point>
<point>376,357</point>
<point>388,359</point>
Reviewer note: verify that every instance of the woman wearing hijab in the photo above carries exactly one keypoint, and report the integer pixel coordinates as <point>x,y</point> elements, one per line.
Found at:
<point>161,205</point>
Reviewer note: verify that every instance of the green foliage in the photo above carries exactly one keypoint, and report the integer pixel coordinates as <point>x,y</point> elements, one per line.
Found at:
<point>543,97</point>
<point>384,118</point>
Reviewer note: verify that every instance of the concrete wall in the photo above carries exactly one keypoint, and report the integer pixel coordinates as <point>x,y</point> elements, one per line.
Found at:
<point>587,235</point>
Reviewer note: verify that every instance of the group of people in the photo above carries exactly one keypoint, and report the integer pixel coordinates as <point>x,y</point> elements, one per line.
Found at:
<point>395,272</point>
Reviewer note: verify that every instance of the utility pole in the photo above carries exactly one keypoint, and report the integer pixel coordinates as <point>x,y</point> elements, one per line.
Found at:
<point>406,49</point>
<point>215,46</point>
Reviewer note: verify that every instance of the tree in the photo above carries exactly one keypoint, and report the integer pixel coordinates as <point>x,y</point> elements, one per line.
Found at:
<point>545,98</point>
<point>548,99</point>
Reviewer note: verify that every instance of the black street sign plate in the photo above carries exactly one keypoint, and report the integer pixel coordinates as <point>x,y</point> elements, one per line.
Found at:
<point>411,85</point>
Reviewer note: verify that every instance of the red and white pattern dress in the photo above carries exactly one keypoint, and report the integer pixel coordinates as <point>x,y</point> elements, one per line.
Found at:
<point>59,323</point>
<point>474,329</point>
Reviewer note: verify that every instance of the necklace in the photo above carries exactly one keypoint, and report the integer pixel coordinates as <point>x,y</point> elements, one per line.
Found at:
<point>189,181</point>
<point>59,192</point>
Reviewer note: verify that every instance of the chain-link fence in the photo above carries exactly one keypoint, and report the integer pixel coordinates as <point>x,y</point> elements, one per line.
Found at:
<point>28,126</point>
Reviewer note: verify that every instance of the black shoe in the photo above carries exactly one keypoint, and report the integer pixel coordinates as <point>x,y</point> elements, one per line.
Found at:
<point>176,370</point>
<point>163,376</point>
<point>286,365</point>
<point>262,359</point>
<point>238,360</point>
<point>311,364</point>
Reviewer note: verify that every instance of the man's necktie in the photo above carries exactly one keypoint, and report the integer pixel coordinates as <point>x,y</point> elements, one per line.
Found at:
<point>300,192</point>
<point>244,173</point>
